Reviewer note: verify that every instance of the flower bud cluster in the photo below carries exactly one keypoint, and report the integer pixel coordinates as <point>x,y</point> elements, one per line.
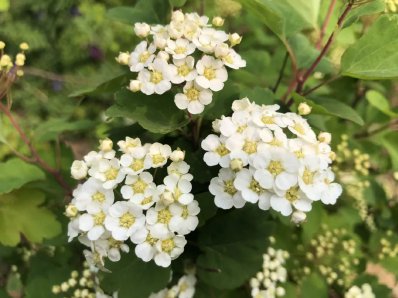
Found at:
<point>228,7</point>
<point>185,288</point>
<point>188,53</point>
<point>268,283</point>
<point>154,217</point>
<point>389,247</point>
<point>391,6</point>
<point>7,65</point>
<point>365,291</point>
<point>270,158</point>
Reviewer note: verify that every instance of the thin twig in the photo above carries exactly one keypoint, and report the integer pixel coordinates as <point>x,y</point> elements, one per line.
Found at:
<point>325,23</point>
<point>332,79</point>
<point>281,72</point>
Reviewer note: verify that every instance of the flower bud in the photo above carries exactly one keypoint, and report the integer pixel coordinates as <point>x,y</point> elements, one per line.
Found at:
<point>216,125</point>
<point>79,170</point>
<point>218,21</point>
<point>71,211</point>
<point>221,50</point>
<point>5,61</point>
<point>298,217</point>
<point>325,137</point>
<point>24,46</point>
<point>178,16</point>
<point>236,164</point>
<point>177,155</point>
<point>64,287</point>
<point>106,145</point>
<point>123,58</point>
<point>235,39</point>
<point>163,55</point>
<point>304,109</point>
<point>135,85</point>
<point>56,289</point>
<point>2,45</point>
<point>280,292</point>
<point>142,29</point>
<point>160,42</point>
<point>241,104</point>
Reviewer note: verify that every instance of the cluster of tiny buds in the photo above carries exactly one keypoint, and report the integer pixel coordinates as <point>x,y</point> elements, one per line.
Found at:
<point>6,63</point>
<point>228,7</point>
<point>346,156</point>
<point>268,282</point>
<point>188,53</point>
<point>388,249</point>
<point>365,291</point>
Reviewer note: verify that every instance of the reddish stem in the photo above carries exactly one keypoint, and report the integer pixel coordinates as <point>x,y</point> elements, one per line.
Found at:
<point>326,23</point>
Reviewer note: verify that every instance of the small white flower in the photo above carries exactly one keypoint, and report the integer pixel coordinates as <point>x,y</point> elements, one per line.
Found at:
<point>184,218</point>
<point>193,99</point>
<point>186,286</point>
<point>235,39</point>
<point>180,48</point>
<point>108,171</point>
<point>92,196</point>
<point>129,144</point>
<point>211,73</point>
<point>217,151</point>
<point>331,191</point>
<point>133,162</point>
<point>124,219</point>
<point>169,248</point>
<point>157,155</point>
<point>225,194</point>
<point>300,127</point>
<point>242,105</point>
<point>146,244</point>
<point>177,16</point>
<point>138,187</point>
<point>284,201</point>
<point>251,189</point>
<point>233,60</point>
<point>179,188</point>
<point>208,39</point>
<point>298,217</point>
<point>218,21</point>
<point>180,169</point>
<point>79,170</point>
<point>93,223</point>
<point>142,29</point>
<point>177,156</point>
<point>304,109</point>
<point>182,70</point>
<point>325,137</point>
<point>159,219</point>
<point>142,56</point>
<point>155,80</point>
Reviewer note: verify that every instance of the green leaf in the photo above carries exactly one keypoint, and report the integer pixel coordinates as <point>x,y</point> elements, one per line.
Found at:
<point>374,55</point>
<point>222,102</point>
<point>133,278</point>
<point>20,213</point>
<point>377,100</point>
<point>314,286</point>
<point>4,5</point>
<point>109,86</point>
<point>156,113</point>
<point>52,128</point>
<point>207,207</point>
<point>260,96</point>
<point>131,15</point>
<point>177,3</point>
<point>371,8</point>
<point>326,106</point>
<point>15,173</point>
<point>233,244</point>
<point>390,142</point>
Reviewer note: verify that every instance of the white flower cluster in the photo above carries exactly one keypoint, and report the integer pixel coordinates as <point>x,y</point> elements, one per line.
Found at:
<point>154,217</point>
<point>187,52</point>
<point>267,283</point>
<point>365,291</point>
<point>269,158</point>
<point>185,288</point>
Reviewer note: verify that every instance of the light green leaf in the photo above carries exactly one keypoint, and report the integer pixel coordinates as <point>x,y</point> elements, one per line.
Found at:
<point>15,173</point>
<point>133,278</point>
<point>314,286</point>
<point>232,246</point>
<point>109,86</point>
<point>390,142</point>
<point>131,15</point>
<point>371,8</point>
<point>52,128</point>
<point>20,213</point>
<point>260,96</point>
<point>374,55</point>
<point>377,100</point>
<point>177,3</point>
<point>156,113</point>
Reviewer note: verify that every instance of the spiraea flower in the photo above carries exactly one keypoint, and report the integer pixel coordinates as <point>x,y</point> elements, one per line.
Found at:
<point>189,53</point>
<point>185,288</point>
<point>365,291</point>
<point>271,159</point>
<point>154,217</point>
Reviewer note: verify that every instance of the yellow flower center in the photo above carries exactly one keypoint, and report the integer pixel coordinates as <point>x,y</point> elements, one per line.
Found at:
<point>137,165</point>
<point>156,77</point>
<point>146,200</point>
<point>308,176</point>
<point>139,186</point>
<point>267,120</point>
<point>99,218</point>
<point>164,216</point>
<point>250,147</point>
<point>114,243</point>
<point>168,245</point>
<point>185,212</point>
<point>111,174</point>
<point>183,70</point>
<point>209,73</point>
<point>228,59</point>
<point>192,94</point>
<point>299,154</point>
<point>255,186</point>
<point>180,50</point>
<point>158,158</point>
<point>126,220</point>
<point>229,187</point>
<point>275,167</point>
<point>150,239</point>
<point>144,56</point>
<point>292,194</point>
<point>222,150</point>
<point>275,142</point>
<point>299,128</point>
<point>241,128</point>
<point>98,197</point>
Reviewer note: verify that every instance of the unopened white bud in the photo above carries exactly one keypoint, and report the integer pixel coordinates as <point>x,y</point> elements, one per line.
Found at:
<point>325,137</point>
<point>64,287</point>
<point>178,16</point>
<point>304,109</point>
<point>280,292</point>
<point>2,45</point>
<point>177,155</point>
<point>163,55</point>
<point>56,289</point>
<point>24,46</point>
<point>123,58</point>
<point>298,217</point>
<point>241,104</point>
<point>71,210</point>
<point>221,50</point>
<point>135,85</point>
<point>216,125</point>
<point>236,164</point>
<point>235,39</point>
<point>142,29</point>
<point>160,42</point>
<point>72,282</point>
<point>106,145</point>
<point>218,21</point>
<point>79,169</point>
